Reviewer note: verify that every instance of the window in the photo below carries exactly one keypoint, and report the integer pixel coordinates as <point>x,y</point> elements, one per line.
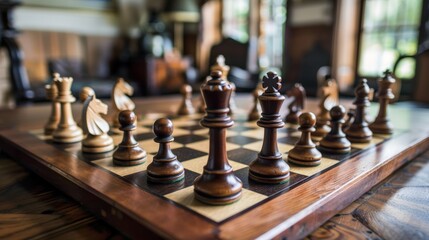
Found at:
<point>390,28</point>
<point>236,19</point>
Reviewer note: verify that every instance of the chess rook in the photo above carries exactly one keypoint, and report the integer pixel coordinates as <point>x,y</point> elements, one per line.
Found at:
<point>358,131</point>
<point>382,124</point>
<point>217,185</point>
<point>51,94</point>
<point>335,141</point>
<point>186,107</point>
<point>97,140</point>
<point>269,166</point>
<point>165,167</point>
<point>67,130</point>
<point>305,152</point>
<point>128,153</point>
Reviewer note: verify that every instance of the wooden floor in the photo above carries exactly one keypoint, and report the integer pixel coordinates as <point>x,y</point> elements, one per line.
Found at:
<point>395,209</point>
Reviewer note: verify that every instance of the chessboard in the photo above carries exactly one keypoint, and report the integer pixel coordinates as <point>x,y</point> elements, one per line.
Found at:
<point>123,197</point>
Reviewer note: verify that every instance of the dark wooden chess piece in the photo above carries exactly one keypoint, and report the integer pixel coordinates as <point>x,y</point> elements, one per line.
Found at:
<point>67,130</point>
<point>255,112</point>
<point>335,141</point>
<point>202,106</point>
<point>217,185</point>
<point>96,128</point>
<point>128,152</point>
<point>54,119</point>
<point>221,66</point>
<point>350,119</point>
<point>305,152</point>
<point>165,167</point>
<point>186,107</point>
<point>322,122</point>
<point>297,92</point>
<point>382,124</point>
<point>269,166</point>
<point>359,132</point>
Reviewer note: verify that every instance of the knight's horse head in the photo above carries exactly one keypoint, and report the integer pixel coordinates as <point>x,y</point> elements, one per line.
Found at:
<point>97,106</point>
<point>123,86</point>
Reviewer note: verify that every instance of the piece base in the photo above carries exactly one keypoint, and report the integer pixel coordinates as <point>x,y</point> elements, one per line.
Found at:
<point>166,179</point>
<point>269,179</point>
<point>212,200</point>
<point>129,162</point>
<point>304,163</point>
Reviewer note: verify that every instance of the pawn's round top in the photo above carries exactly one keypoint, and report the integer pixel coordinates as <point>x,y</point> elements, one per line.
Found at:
<point>163,128</point>
<point>186,88</point>
<point>216,74</point>
<point>337,112</point>
<point>307,120</point>
<point>127,118</point>
<point>85,93</point>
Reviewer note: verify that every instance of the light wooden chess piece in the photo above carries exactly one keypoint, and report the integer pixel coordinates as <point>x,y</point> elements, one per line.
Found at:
<point>97,139</point>
<point>128,153</point>
<point>269,166</point>
<point>305,152</point>
<point>165,167</point>
<point>85,92</point>
<point>54,119</point>
<point>335,141</point>
<point>120,102</point>
<point>186,107</point>
<point>297,92</point>
<point>358,131</point>
<point>382,124</point>
<point>67,130</point>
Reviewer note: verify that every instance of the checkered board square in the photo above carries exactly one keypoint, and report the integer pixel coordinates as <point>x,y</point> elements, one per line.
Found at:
<point>191,145</point>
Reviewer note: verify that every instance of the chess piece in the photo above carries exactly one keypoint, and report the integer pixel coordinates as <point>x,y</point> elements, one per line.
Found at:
<point>67,130</point>
<point>255,113</point>
<point>329,98</point>
<point>305,152</point>
<point>350,119</point>
<point>217,185</point>
<point>54,119</point>
<point>335,141</point>
<point>382,124</point>
<point>359,132</point>
<point>97,140</point>
<point>221,66</point>
<point>186,107</point>
<point>85,92</point>
<point>128,152</point>
<point>269,166</point>
<point>202,106</point>
<point>165,167</point>
<point>297,93</point>
<point>120,102</point>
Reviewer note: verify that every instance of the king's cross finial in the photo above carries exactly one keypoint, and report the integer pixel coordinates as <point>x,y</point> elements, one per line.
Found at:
<point>387,72</point>
<point>220,60</point>
<point>271,82</point>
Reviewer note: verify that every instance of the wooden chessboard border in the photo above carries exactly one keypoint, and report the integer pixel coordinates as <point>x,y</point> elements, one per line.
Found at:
<point>141,214</point>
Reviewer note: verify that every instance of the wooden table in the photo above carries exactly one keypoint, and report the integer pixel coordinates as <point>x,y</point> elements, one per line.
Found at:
<point>396,208</point>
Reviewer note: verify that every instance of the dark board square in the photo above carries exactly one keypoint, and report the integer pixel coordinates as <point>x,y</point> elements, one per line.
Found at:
<point>242,155</point>
<point>241,140</point>
<point>140,179</point>
<point>189,138</point>
<point>267,189</point>
<point>144,136</point>
<point>288,140</point>
<point>185,153</point>
<point>339,157</point>
<point>195,127</point>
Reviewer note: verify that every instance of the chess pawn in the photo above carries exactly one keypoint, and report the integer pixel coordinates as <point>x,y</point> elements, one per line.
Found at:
<point>67,130</point>
<point>128,152</point>
<point>97,139</point>
<point>186,107</point>
<point>382,124</point>
<point>165,167</point>
<point>322,124</point>
<point>305,152</point>
<point>255,113</point>
<point>51,94</point>
<point>269,166</point>
<point>359,132</point>
<point>335,141</point>
<point>217,185</point>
